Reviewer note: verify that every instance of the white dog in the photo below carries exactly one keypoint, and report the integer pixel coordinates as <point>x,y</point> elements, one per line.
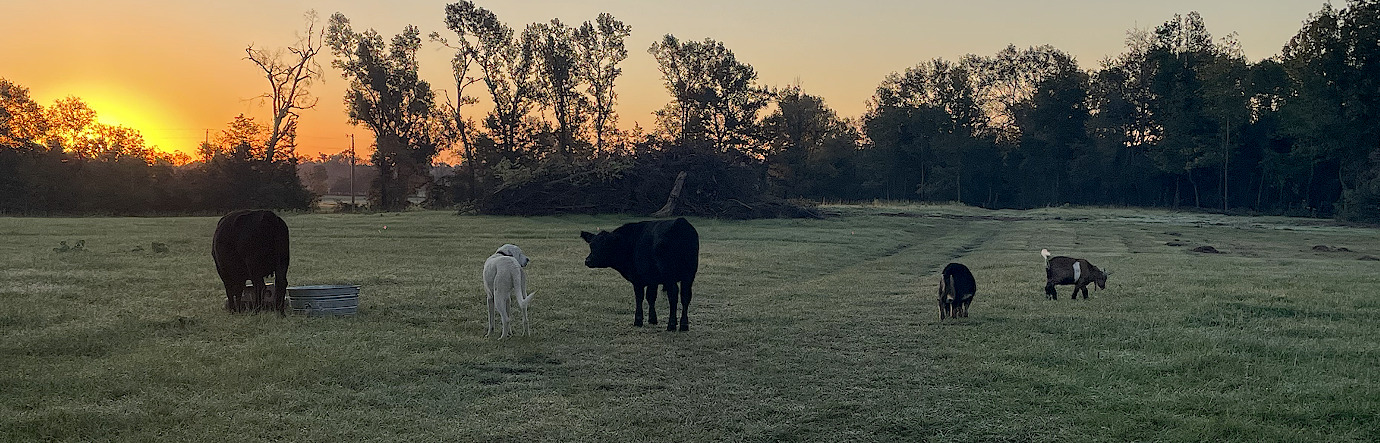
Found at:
<point>504,278</point>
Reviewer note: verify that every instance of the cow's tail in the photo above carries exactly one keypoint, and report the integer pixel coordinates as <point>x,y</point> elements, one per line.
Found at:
<point>524,300</point>
<point>1045,252</point>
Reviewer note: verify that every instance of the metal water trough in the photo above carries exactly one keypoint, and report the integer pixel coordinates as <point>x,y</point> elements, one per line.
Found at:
<point>323,299</point>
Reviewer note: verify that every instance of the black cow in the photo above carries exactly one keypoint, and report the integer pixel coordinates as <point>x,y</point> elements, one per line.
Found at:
<point>647,254</point>
<point>249,245</point>
<point>956,290</point>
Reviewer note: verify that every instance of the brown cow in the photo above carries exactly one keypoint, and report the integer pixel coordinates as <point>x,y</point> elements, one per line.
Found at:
<point>249,245</point>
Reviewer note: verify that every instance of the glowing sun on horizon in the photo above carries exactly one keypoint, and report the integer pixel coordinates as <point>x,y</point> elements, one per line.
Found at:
<point>161,128</point>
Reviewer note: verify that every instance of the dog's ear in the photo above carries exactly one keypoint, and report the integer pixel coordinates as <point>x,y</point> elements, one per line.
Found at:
<point>587,236</point>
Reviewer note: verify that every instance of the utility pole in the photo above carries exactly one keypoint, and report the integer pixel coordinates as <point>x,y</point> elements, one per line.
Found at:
<point>352,172</point>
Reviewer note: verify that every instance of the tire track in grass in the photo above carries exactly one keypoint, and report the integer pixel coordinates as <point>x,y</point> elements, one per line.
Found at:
<point>817,332</point>
<point>964,239</point>
<point>893,281</point>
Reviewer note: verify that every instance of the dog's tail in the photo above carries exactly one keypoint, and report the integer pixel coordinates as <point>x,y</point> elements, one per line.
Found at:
<point>1045,252</point>
<point>523,301</point>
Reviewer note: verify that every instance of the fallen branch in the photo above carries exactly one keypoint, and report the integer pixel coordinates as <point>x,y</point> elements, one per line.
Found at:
<point>670,206</point>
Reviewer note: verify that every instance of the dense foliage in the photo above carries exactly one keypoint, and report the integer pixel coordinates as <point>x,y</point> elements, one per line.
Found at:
<point>1179,119</point>
<point>59,160</point>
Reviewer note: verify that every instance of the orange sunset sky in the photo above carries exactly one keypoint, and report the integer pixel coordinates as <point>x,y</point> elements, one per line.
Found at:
<point>176,69</point>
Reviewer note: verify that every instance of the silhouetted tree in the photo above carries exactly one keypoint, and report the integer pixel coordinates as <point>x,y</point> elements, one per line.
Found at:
<point>289,76</point>
<point>1180,55</point>
<point>234,173</point>
<point>1335,64</point>
<point>21,118</point>
<point>810,151</point>
<point>553,49</point>
<point>1056,152</point>
<point>388,96</point>
<point>714,97</point>
<point>915,117</point>
<point>506,65</point>
<point>600,49</point>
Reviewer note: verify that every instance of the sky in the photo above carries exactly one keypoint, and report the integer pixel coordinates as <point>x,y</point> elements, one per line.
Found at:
<point>176,69</point>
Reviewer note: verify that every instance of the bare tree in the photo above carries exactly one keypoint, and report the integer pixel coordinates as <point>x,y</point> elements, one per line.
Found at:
<point>290,72</point>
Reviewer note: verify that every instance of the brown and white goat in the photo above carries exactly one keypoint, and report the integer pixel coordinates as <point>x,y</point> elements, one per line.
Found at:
<point>1071,271</point>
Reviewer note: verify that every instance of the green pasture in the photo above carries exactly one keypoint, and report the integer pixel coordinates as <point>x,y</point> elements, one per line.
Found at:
<point>800,330</point>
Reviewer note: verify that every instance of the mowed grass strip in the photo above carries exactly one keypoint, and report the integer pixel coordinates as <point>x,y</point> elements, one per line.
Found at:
<point>800,330</point>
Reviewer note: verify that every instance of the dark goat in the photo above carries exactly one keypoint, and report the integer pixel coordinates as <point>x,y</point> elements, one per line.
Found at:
<point>1071,271</point>
<point>956,291</point>
<point>249,245</point>
<point>647,254</point>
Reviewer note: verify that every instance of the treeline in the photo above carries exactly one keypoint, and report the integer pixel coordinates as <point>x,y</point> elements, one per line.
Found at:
<point>59,160</point>
<point>1179,119</point>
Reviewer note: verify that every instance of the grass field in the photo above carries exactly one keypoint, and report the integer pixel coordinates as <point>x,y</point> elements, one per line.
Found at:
<point>801,330</point>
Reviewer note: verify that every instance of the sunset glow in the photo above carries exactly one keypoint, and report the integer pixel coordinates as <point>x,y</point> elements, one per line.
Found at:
<point>175,70</point>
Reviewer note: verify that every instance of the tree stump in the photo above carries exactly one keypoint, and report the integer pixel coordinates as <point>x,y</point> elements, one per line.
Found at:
<point>671,201</point>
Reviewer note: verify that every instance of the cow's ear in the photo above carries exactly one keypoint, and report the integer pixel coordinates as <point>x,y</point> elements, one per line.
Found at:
<point>587,236</point>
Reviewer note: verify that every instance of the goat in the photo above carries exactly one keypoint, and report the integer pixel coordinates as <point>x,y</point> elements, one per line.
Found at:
<point>956,290</point>
<point>1078,272</point>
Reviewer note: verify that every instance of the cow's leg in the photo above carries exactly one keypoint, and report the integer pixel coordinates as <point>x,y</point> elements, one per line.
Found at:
<point>232,296</point>
<point>1050,292</point>
<point>637,299</point>
<point>941,310</point>
<point>280,286</point>
<point>672,296</point>
<point>651,304</point>
<point>259,289</point>
<point>684,305</point>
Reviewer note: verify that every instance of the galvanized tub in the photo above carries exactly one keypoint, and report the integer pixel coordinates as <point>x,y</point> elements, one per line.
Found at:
<point>323,299</point>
